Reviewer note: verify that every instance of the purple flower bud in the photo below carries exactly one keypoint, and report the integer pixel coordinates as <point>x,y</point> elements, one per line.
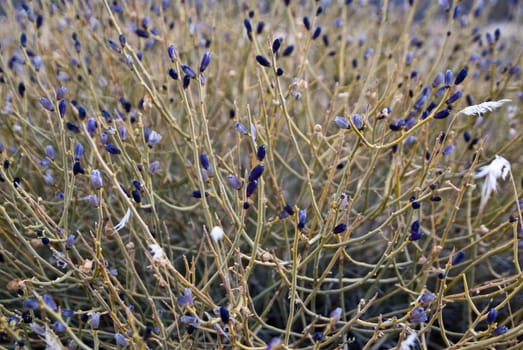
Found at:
<point>242,129</point>
<point>114,45</point>
<point>186,81</point>
<point>409,57</point>
<point>260,153</point>
<point>458,257</point>
<point>31,303</point>
<point>499,330</point>
<point>234,182</point>
<point>198,194</point>
<point>92,125</point>
<point>438,80</point>
<point>357,120</point>
<point>448,149</point>
<point>341,122</point>
<point>275,342</point>
<point>49,301</point>
<point>95,320</point>
<point>263,61</point>
<point>340,228</point>
<point>141,33</point>
<point>461,76</point>
<point>154,167</point>
<point>206,59</point>
<point>204,161</point>
<point>251,187</point>
<point>96,178</point>
<point>49,151</point>
<point>59,327</point>
<point>256,172</point>
<point>492,315</point>
<point>153,138</point>
<point>193,321</point>
<point>70,241</point>
<point>122,40</point>
<point>415,231</point>
<point>302,217</point>
<point>418,315</point>
<point>442,114</point>
<point>335,315</point>
<point>427,298</point>
<point>307,23</point>
<point>173,74</point>
<point>62,108</point>
<point>67,313</point>
<point>171,51</point>
<point>186,299</point>
<point>121,340</point>
<point>448,77</point>
<point>188,71</point>
<point>60,92</point>
<point>78,151</point>
<point>420,102</point>
<point>46,104</point>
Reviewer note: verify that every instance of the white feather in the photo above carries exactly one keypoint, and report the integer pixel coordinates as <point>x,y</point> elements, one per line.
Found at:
<point>124,220</point>
<point>498,168</point>
<point>483,107</point>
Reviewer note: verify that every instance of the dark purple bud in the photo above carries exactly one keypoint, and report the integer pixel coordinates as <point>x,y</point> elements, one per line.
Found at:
<point>186,81</point>
<point>457,12</point>
<point>276,45</point>
<point>288,50</point>
<point>438,80</point>
<point>397,124</point>
<point>198,194</point>
<point>188,71</point>
<point>69,242</point>
<point>224,314</point>
<point>467,136</point>
<point>263,61</point>
<point>492,315</point>
<point>49,301</point>
<point>499,330</point>
<point>256,172</point>
<point>260,153</point>
<point>122,40</point>
<point>461,76</point>
<point>204,161</point>
<point>307,23</point>
<point>109,147</point>
<point>442,114</point>
<point>206,59</point>
<point>72,127</point>
<point>67,313</point>
<point>59,327</point>
<point>234,182</point>
<point>454,97</point>
<point>279,72</point>
<point>415,231</point>
<point>23,40</point>
<point>82,113</point>
<point>78,151</point>
<point>173,73</point>
<point>259,27</point>
<point>448,77</point>
<point>251,187</point>
<point>136,196</point>
<point>420,102</point>
<point>316,33</point>
<point>248,28</point>
<point>458,257</point>
<point>318,336</point>
<point>21,89</point>
<point>106,115</point>
<point>96,178</point>
<point>77,168</point>
<point>340,228</point>
<point>46,104</point>
<point>114,45</point>
<point>171,51</point>
<point>62,108</point>
<point>141,33</point>
<point>246,205</point>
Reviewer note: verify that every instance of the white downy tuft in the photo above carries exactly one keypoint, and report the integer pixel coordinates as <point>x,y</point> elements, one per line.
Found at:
<point>498,168</point>
<point>217,233</point>
<point>483,107</point>
<point>124,220</point>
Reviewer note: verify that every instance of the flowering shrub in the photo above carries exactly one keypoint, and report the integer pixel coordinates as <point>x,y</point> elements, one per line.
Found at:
<point>285,175</point>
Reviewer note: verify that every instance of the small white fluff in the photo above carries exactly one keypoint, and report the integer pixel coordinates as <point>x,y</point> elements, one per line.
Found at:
<point>498,168</point>
<point>483,107</point>
<point>411,342</point>
<point>124,220</point>
<point>217,233</point>
<point>157,252</point>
